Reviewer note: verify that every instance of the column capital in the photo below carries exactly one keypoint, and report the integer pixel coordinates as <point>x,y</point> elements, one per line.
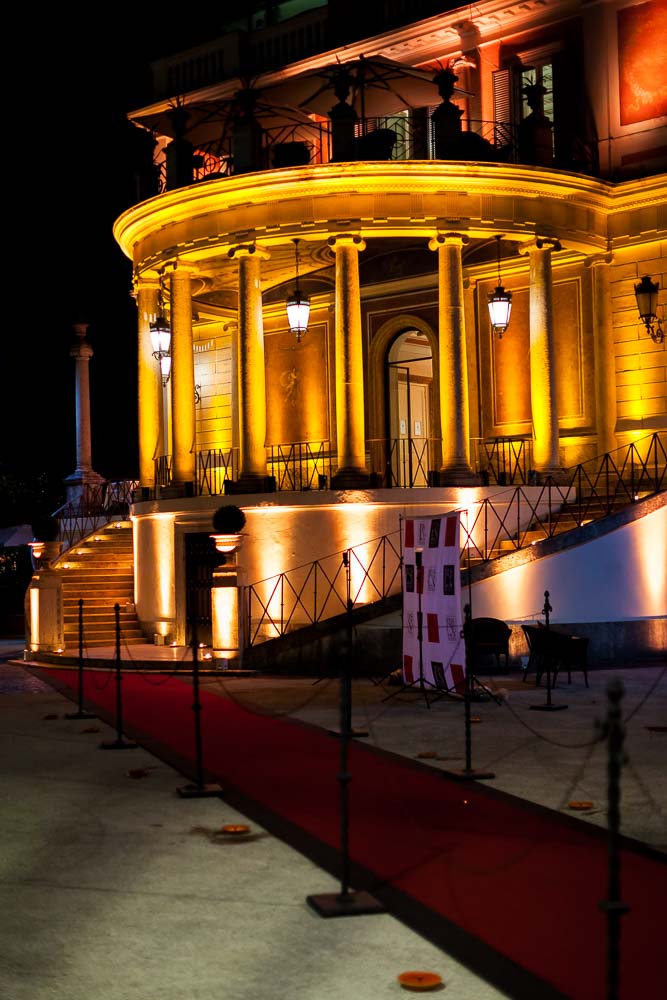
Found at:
<point>346,240</point>
<point>448,239</point>
<point>248,250</point>
<point>145,279</point>
<point>540,243</point>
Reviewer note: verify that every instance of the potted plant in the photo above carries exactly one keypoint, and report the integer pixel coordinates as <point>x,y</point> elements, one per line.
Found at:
<point>44,547</point>
<point>228,523</point>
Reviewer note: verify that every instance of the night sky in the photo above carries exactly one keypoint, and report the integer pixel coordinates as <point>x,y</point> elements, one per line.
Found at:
<point>71,179</point>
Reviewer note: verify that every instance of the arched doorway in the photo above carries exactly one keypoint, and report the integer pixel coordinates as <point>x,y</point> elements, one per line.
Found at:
<point>410,413</point>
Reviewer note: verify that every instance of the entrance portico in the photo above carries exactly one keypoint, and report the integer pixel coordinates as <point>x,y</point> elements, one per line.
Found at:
<point>232,242</point>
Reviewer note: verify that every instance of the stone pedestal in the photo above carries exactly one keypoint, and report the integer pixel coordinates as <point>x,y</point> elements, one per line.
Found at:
<point>228,631</point>
<point>45,610</point>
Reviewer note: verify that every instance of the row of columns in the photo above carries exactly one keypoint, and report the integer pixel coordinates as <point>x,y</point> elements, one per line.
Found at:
<point>350,429</point>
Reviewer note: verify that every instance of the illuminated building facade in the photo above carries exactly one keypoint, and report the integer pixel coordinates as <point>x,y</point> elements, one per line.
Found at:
<point>537,167</point>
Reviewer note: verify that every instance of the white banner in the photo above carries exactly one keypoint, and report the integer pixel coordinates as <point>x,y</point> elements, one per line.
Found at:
<point>433,647</point>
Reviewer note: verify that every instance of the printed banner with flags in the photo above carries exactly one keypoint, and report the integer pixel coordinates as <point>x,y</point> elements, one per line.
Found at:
<point>432,592</point>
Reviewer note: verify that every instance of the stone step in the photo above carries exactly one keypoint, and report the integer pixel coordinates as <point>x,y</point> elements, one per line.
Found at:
<point>104,639</point>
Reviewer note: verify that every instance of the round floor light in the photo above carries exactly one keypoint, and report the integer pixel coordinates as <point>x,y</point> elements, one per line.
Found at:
<point>235,829</point>
<point>419,980</point>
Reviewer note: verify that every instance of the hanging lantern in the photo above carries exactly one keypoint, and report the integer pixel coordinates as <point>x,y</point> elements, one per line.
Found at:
<point>500,303</point>
<point>160,337</point>
<point>298,304</point>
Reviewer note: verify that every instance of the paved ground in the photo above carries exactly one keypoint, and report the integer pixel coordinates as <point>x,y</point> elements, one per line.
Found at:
<point>116,888</point>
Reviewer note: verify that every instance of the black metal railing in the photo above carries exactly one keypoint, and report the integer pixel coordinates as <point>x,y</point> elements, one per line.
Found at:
<point>395,137</point>
<point>97,505</point>
<point>213,469</point>
<point>505,460</point>
<point>301,466</point>
<point>316,591</point>
<point>404,462</point>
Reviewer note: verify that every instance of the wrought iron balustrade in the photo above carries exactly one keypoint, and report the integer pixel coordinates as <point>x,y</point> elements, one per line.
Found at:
<point>300,466</point>
<point>213,469</point>
<point>505,460</point>
<point>410,137</point>
<point>316,591</point>
<point>96,506</point>
<point>404,462</point>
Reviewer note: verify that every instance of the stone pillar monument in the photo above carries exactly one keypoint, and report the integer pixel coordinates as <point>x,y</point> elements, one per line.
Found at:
<point>84,478</point>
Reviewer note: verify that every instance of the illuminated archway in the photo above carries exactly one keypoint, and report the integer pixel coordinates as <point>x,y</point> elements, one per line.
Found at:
<point>387,345</point>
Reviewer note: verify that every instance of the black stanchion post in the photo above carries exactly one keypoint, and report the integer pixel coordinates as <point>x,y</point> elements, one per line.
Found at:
<point>613,906</point>
<point>80,713</point>
<point>346,903</point>
<point>119,743</point>
<point>468,771</point>
<point>199,789</point>
<point>548,705</point>
<point>349,631</point>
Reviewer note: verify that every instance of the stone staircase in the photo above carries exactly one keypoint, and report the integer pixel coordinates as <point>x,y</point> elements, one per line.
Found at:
<point>100,572</point>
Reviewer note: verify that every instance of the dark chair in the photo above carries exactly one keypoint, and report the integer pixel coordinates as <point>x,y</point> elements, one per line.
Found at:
<point>487,637</point>
<point>290,154</point>
<point>554,650</point>
<point>376,145</point>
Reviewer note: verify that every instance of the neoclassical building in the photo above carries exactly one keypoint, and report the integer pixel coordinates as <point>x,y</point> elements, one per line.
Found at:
<point>535,173</point>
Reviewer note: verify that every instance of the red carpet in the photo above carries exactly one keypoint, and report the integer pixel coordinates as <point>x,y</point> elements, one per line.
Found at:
<point>509,888</point>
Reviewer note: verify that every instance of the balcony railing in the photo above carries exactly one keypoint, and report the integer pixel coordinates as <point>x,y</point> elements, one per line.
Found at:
<point>413,463</point>
<point>395,137</point>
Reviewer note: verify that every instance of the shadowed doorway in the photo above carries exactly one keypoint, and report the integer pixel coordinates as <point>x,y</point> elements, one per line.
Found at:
<point>410,411</point>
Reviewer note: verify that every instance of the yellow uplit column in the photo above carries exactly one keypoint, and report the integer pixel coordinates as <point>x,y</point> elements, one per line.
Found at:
<point>350,430</point>
<point>251,371</point>
<point>454,402</point>
<point>149,382</point>
<point>542,368</point>
<point>605,371</point>
<point>182,380</point>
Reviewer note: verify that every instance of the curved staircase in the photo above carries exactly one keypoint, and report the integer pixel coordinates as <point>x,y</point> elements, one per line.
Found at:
<point>99,571</point>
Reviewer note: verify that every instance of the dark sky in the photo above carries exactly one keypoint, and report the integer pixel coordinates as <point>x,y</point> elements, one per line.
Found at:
<point>68,175</point>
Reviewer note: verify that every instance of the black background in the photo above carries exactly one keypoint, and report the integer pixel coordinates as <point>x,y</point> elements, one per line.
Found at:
<point>68,174</point>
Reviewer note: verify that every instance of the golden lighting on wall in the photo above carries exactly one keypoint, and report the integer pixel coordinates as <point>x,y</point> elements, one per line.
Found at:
<point>500,302</point>
<point>646,293</point>
<point>298,304</point>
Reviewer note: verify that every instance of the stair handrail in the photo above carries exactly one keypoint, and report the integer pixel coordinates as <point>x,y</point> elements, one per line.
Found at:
<point>97,505</point>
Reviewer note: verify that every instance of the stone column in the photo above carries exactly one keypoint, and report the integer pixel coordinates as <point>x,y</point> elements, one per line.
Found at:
<point>251,370</point>
<point>603,339</point>
<point>542,361</point>
<point>350,430</point>
<point>453,366</point>
<point>149,382</point>
<point>83,476</point>
<point>182,380</point>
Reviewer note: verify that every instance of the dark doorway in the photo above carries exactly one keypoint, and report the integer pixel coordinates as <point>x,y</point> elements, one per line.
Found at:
<point>201,558</point>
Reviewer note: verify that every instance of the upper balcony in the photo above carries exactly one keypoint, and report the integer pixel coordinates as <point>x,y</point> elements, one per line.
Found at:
<point>398,118</point>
